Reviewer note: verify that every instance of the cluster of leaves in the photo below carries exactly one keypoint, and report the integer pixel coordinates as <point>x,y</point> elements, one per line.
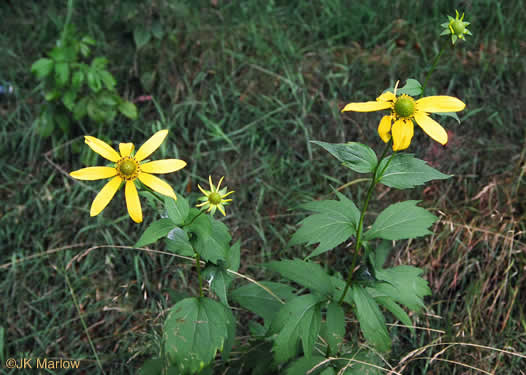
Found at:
<point>71,86</point>
<point>301,327</point>
<point>196,327</point>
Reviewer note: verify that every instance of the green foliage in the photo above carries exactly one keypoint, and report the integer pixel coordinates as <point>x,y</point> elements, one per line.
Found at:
<point>372,322</point>
<point>334,223</point>
<point>299,319</point>
<point>256,299</point>
<point>195,330</point>
<point>310,275</point>
<point>335,326</point>
<point>218,276</point>
<point>356,156</point>
<point>177,210</point>
<point>400,221</point>
<point>412,88</point>
<point>73,88</point>
<point>305,365</point>
<point>156,230</point>
<point>405,172</point>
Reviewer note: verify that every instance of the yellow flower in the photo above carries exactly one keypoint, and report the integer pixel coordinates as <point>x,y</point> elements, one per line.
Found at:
<point>456,27</point>
<point>214,198</point>
<point>404,109</point>
<point>128,168</point>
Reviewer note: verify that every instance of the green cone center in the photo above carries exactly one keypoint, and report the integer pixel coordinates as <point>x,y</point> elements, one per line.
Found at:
<point>127,167</point>
<point>458,27</point>
<point>214,198</point>
<point>404,106</point>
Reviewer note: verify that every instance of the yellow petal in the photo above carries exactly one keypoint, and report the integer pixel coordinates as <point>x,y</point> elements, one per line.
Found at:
<point>163,166</point>
<point>207,193</point>
<point>386,96</point>
<point>384,129</point>
<point>102,148</point>
<point>151,145</point>
<point>155,183</point>
<point>105,195</point>
<point>402,132</point>
<point>367,106</point>
<point>440,104</point>
<point>220,207</point>
<point>93,173</point>
<point>132,202</point>
<point>431,127</point>
<point>126,149</point>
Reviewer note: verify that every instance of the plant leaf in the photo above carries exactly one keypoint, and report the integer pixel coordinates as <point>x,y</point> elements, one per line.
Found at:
<point>42,67</point>
<point>412,88</point>
<point>299,319</point>
<point>215,246</point>
<point>404,285</point>
<point>308,274</point>
<point>179,243</point>
<point>356,156</point>
<point>335,325</point>
<point>400,221</point>
<point>405,172</point>
<point>141,36</point>
<point>155,230</point>
<point>303,365</point>
<point>334,223</point>
<point>372,322</point>
<point>177,210</point>
<point>128,109</point>
<point>195,329</point>
<point>256,299</point>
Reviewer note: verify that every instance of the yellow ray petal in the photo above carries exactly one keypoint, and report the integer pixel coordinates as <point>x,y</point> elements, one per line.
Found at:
<point>163,166</point>
<point>155,183</point>
<point>102,148</point>
<point>132,202</point>
<point>151,145</point>
<point>386,96</point>
<point>384,129</point>
<point>207,193</point>
<point>105,195</point>
<point>219,183</point>
<point>431,127</point>
<point>367,106</point>
<point>221,208</point>
<point>440,104</point>
<point>402,134</point>
<point>93,173</point>
<point>126,149</point>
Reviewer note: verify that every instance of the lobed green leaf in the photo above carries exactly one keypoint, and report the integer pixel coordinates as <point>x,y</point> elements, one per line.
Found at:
<point>195,330</point>
<point>297,320</point>
<point>334,223</point>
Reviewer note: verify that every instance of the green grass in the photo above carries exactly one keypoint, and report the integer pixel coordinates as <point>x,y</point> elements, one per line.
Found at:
<point>243,89</point>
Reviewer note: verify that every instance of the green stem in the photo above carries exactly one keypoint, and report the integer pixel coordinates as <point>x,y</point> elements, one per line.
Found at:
<point>359,231</point>
<point>198,266</point>
<point>435,62</point>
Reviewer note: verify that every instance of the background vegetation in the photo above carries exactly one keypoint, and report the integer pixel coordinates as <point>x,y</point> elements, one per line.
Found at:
<point>243,88</point>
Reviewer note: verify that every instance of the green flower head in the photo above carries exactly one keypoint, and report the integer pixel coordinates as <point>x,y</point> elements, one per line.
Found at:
<point>456,27</point>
